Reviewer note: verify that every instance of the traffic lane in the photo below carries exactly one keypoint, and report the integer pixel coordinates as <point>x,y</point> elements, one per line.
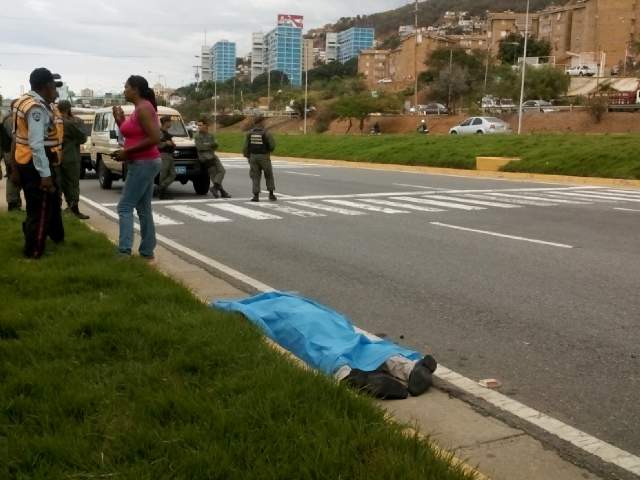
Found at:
<point>550,323</point>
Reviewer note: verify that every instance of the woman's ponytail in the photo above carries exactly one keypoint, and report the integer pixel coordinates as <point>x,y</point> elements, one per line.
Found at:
<point>140,83</point>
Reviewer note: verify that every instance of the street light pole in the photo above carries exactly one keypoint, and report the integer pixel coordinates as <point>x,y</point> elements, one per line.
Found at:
<point>415,58</point>
<point>306,96</point>
<point>524,68</point>
<point>215,104</point>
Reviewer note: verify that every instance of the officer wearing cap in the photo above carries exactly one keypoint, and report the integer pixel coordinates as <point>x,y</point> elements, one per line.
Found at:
<point>258,145</point>
<point>38,132</point>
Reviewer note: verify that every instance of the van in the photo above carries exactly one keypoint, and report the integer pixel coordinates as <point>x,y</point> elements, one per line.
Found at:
<point>106,139</point>
<point>86,117</point>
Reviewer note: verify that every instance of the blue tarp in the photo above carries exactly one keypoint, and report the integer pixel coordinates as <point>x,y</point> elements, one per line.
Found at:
<point>321,337</point>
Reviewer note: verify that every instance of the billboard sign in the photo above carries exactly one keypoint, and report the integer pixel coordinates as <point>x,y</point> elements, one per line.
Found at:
<point>290,20</point>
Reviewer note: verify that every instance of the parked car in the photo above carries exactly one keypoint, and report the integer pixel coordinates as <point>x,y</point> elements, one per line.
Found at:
<point>86,117</point>
<point>539,105</point>
<point>433,109</point>
<point>581,71</point>
<point>106,139</point>
<point>481,125</point>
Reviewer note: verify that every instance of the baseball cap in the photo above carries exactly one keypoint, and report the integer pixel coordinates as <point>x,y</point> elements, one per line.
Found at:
<point>42,76</point>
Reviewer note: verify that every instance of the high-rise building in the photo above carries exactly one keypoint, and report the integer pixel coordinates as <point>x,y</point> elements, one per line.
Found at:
<point>308,55</point>
<point>258,55</point>
<point>284,48</point>
<point>223,60</point>
<point>331,47</point>
<point>352,41</point>
<point>206,74</point>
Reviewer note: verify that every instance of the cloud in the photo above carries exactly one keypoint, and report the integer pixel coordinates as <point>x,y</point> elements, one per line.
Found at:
<point>98,43</point>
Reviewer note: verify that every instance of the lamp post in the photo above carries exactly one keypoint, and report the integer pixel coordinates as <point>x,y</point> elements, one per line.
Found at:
<point>306,96</point>
<point>524,68</point>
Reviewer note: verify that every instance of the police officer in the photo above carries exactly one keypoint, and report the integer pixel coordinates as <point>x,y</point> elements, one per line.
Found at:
<point>258,145</point>
<point>166,147</point>
<point>74,136</point>
<point>14,199</point>
<point>206,145</point>
<point>38,138</point>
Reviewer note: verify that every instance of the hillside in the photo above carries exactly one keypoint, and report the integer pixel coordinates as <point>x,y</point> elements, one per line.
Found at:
<point>430,11</point>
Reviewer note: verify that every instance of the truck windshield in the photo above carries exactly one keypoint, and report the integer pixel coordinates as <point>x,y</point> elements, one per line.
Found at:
<point>177,127</point>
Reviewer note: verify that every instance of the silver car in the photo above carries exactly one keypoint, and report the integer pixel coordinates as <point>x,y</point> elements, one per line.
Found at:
<point>480,126</point>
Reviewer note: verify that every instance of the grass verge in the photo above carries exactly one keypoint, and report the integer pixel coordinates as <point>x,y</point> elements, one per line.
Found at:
<point>108,369</point>
<point>607,156</point>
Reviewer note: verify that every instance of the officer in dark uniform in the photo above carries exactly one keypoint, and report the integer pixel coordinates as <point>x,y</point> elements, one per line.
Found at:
<point>258,146</point>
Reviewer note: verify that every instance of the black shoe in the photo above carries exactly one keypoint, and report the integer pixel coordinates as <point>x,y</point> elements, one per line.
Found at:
<point>420,378</point>
<point>272,197</point>
<point>256,198</point>
<point>378,384</point>
<point>224,193</point>
<point>76,211</point>
<point>214,192</point>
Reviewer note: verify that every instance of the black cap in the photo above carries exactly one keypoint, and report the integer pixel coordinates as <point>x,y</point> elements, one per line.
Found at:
<point>40,77</point>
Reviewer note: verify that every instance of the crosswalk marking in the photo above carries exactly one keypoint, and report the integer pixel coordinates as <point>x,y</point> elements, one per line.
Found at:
<point>517,201</point>
<point>244,212</point>
<point>615,196</point>
<point>405,205</point>
<point>475,202</point>
<point>163,220</point>
<point>327,208</point>
<point>632,193</point>
<point>290,210</point>
<point>438,204</point>
<point>198,214</point>
<point>365,206</point>
<point>540,197</point>
<point>577,201</point>
<point>596,196</point>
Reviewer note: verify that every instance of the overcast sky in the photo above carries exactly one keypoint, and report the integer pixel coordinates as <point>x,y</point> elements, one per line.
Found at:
<point>98,43</point>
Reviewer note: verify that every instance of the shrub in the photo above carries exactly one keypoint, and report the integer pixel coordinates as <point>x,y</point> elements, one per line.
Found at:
<point>324,119</point>
<point>228,120</point>
<point>598,106</point>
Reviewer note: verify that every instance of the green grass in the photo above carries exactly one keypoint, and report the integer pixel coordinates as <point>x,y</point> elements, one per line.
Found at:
<point>111,370</point>
<point>612,156</point>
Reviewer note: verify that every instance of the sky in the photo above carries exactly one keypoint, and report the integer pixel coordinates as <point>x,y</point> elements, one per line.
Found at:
<point>97,44</point>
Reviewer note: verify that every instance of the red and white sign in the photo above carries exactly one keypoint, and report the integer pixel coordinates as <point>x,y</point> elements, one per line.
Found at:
<point>291,20</point>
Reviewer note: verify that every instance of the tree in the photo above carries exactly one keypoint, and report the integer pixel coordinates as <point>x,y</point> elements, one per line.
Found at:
<point>362,105</point>
<point>512,48</point>
<point>333,70</point>
<point>279,80</point>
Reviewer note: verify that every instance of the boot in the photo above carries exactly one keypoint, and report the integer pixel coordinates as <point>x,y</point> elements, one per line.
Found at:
<point>272,197</point>
<point>256,197</point>
<point>223,192</point>
<point>214,191</point>
<point>76,211</point>
<point>378,384</point>
<point>420,379</point>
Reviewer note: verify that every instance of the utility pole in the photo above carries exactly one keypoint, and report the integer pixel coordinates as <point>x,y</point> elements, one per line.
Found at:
<point>269,88</point>
<point>306,96</point>
<point>524,68</point>
<point>215,104</point>
<point>450,75</point>
<point>486,69</point>
<point>415,58</point>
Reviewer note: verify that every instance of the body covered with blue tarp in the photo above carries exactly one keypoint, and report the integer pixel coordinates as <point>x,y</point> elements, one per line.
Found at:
<point>321,337</point>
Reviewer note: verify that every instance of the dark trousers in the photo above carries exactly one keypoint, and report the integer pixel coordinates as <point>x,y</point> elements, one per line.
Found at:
<point>44,217</point>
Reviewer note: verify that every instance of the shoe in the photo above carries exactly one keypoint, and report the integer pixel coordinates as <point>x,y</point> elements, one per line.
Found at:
<point>164,195</point>
<point>224,193</point>
<point>214,192</point>
<point>256,198</point>
<point>76,211</point>
<point>420,378</point>
<point>378,384</point>
<point>13,207</point>
<point>272,197</point>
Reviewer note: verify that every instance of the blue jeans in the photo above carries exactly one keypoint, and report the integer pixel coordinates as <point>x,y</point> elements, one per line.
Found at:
<point>137,193</point>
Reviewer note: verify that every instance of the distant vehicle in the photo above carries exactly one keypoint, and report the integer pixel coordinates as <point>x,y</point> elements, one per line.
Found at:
<point>490,103</point>
<point>433,109</point>
<point>621,101</point>
<point>539,105</point>
<point>86,116</point>
<point>106,139</point>
<point>385,80</point>
<point>480,126</point>
<point>581,71</point>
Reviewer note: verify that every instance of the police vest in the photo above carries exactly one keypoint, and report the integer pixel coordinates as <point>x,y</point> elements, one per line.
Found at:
<point>258,143</point>
<point>54,136</point>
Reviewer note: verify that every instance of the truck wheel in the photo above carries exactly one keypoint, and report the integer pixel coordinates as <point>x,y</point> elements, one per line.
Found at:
<point>201,184</point>
<point>104,175</point>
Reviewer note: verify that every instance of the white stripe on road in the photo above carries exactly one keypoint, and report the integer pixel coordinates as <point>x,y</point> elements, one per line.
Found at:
<point>437,203</point>
<point>289,209</point>
<point>416,186</point>
<point>474,202</point>
<point>597,196</point>
<point>576,201</point>
<point>632,193</point>
<point>622,197</point>
<point>517,201</point>
<point>627,209</point>
<point>539,197</point>
<point>365,206</point>
<point>244,212</point>
<point>162,220</point>
<point>327,208</point>
<point>304,174</point>
<point>198,214</point>
<point>583,441</point>
<point>407,206</point>
<point>502,235</point>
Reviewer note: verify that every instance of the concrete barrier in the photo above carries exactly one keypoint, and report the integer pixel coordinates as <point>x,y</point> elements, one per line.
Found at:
<point>493,164</point>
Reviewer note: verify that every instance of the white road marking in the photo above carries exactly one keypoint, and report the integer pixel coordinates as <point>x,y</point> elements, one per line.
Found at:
<point>424,201</point>
<point>627,209</point>
<point>278,207</point>
<point>327,208</point>
<point>621,197</point>
<point>596,196</point>
<point>539,197</point>
<point>517,201</point>
<point>244,212</point>
<point>304,174</point>
<point>278,194</point>
<point>405,205</point>
<point>198,214</point>
<point>502,235</point>
<point>583,441</point>
<point>366,206</point>
<point>633,193</point>
<point>162,220</point>
<point>578,201</point>
<point>416,186</point>
<point>474,202</point>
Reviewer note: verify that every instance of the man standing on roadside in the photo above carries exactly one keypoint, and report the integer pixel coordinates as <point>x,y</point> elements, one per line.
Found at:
<point>166,147</point>
<point>258,146</point>
<point>14,200</point>
<point>37,151</point>
<point>206,145</point>
<point>74,136</point>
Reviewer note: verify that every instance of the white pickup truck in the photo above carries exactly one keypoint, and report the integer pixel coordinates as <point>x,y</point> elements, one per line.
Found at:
<point>582,71</point>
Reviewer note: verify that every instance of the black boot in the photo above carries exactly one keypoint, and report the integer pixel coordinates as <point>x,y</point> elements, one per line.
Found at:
<point>223,192</point>
<point>214,191</point>
<point>420,378</point>
<point>272,197</point>
<point>378,384</point>
<point>76,211</point>
<point>256,197</point>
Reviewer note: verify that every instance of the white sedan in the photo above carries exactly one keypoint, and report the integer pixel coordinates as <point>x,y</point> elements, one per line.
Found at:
<point>481,125</point>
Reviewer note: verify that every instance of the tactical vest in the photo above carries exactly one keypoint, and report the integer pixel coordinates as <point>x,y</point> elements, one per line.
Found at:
<point>258,143</point>
<point>53,139</point>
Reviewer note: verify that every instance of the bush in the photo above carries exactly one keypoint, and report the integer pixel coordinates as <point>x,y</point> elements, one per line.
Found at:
<point>228,120</point>
<point>324,119</point>
<point>598,106</point>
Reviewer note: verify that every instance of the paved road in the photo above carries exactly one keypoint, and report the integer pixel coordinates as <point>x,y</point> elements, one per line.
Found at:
<point>533,284</point>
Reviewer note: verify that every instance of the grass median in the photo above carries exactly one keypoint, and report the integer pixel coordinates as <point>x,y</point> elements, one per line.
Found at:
<point>607,156</point>
<point>109,369</point>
